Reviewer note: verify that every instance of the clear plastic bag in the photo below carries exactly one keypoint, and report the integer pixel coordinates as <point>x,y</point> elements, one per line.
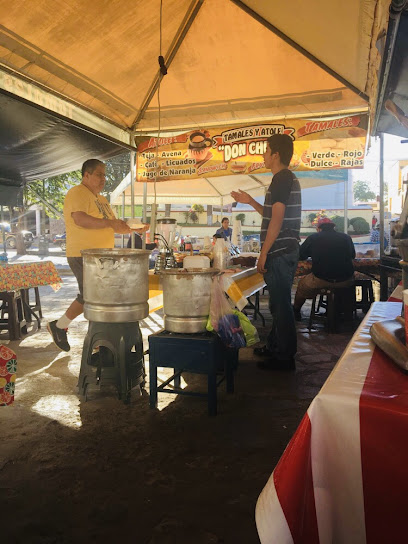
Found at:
<point>222,318</point>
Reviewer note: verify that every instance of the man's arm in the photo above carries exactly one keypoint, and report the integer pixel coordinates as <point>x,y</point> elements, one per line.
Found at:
<point>275,224</point>
<point>86,221</point>
<point>245,198</point>
<point>305,248</point>
<point>353,249</point>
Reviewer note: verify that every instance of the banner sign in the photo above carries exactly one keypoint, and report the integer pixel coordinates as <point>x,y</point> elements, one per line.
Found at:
<point>318,144</point>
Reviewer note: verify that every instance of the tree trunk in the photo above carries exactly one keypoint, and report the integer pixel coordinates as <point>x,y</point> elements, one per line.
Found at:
<point>20,246</point>
<point>209,215</point>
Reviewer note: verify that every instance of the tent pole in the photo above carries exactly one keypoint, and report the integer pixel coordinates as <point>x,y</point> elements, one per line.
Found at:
<point>144,216</point>
<point>132,193</point>
<point>3,230</point>
<point>123,217</point>
<point>382,208</point>
<point>346,184</point>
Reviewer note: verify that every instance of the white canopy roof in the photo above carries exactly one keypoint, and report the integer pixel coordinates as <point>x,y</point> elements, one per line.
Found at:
<point>229,61</point>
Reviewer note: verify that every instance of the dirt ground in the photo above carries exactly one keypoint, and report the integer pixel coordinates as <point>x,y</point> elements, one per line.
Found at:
<point>101,471</point>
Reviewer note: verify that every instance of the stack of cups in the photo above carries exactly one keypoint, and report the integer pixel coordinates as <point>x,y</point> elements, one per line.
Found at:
<point>237,234</point>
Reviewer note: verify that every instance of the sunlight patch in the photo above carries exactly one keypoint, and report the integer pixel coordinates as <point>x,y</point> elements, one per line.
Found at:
<point>61,408</point>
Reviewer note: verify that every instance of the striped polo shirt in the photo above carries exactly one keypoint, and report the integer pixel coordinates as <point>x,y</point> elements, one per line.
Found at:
<point>284,188</point>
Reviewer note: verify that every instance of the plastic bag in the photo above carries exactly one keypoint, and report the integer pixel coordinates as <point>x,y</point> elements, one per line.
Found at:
<point>250,332</point>
<point>222,318</point>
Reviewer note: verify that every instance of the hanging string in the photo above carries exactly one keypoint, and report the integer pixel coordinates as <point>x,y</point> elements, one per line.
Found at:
<point>163,72</point>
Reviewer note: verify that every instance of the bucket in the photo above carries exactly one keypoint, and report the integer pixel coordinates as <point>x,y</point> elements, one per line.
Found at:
<point>116,285</point>
<point>186,299</point>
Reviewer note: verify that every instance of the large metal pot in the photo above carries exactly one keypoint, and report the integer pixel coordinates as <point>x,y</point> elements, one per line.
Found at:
<point>186,299</point>
<point>116,285</point>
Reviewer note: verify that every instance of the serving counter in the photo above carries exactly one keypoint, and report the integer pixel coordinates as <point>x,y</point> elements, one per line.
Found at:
<point>343,477</point>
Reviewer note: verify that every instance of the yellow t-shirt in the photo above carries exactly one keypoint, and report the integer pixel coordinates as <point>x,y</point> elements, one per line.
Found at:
<point>81,199</point>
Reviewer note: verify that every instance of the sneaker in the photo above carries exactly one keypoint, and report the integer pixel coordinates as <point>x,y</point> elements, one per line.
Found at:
<point>297,314</point>
<point>59,336</point>
<point>262,351</point>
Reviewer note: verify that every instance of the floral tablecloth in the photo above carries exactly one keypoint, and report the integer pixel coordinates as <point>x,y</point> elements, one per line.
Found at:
<point>27,275</point>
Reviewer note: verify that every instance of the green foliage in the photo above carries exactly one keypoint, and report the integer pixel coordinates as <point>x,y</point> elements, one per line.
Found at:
<point>338,220</point>
<point>360,225</point>
<point>117,168</point>
<point>194,216</point>
<point>362,192</point>
<point>52,190</point>
<point>186,216</point>
<point>198,208</point>
<point>240,217</point>
<point>311,217</point>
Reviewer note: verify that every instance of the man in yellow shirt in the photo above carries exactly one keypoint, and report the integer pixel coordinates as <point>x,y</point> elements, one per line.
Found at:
<point>90,224</point>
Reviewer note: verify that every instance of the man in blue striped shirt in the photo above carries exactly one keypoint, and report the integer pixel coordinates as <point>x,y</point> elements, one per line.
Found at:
<point>281,217</point>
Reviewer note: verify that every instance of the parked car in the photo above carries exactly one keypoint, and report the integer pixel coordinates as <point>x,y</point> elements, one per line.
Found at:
<point>60,240</point>
<point>11,243</point>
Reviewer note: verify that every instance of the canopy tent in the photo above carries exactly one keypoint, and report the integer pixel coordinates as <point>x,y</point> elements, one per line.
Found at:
<point>229,61</point>
<point>215,191</point>
<point>51,146</point>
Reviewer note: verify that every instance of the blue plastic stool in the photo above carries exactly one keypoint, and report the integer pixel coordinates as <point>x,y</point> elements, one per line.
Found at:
<point>201,353</point>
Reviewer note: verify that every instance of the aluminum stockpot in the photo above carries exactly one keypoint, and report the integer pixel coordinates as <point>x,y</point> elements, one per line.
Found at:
<point>116,285</point>
<point>186,298</point>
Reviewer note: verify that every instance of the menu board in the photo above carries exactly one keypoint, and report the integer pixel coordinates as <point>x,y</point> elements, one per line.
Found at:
<point>318,144</point>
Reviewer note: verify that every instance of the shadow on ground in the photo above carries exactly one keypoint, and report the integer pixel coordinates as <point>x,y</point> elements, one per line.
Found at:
<point>103,471</point>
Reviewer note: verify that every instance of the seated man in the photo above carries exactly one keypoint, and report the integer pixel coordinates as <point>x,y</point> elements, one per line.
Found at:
<point>332,256</point>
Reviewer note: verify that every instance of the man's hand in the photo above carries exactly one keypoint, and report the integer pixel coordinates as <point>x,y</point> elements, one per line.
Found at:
<point>142,229</point>
<point>260,266</point>
<point>119,226</point>
<point>241,196</point>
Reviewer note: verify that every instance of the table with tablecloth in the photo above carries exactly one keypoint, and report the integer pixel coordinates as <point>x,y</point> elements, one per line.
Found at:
<point>19,278</point>
<point>343,477</point>
<point>27,275</point>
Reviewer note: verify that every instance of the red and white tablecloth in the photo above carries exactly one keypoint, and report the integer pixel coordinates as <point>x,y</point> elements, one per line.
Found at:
<point>343,478</point>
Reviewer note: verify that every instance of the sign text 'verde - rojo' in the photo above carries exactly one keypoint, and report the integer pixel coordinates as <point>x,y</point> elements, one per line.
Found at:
<point>318,144</point>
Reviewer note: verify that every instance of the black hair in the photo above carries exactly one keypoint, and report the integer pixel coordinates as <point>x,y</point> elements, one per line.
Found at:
<point>224,219</point>
<point>283,144</point>
<point>90,166</point>
<point>326,226</point>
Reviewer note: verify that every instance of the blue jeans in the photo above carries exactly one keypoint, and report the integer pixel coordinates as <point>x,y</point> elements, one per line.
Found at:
<point>281,342</point>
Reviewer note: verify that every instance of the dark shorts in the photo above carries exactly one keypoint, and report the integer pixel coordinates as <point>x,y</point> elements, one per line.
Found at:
<point>77,266</point>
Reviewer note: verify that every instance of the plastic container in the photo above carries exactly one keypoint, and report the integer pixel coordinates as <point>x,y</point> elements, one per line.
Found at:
<point>221,254</point>
<point>367,250</point>
<point>196,261</point>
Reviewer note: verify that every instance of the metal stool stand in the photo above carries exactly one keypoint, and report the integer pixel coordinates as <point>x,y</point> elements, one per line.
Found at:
<point>367,294</point>
<point>336,301</point>
<point>15,323</point>
<point>121,366</point>
<point>201,353</point>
